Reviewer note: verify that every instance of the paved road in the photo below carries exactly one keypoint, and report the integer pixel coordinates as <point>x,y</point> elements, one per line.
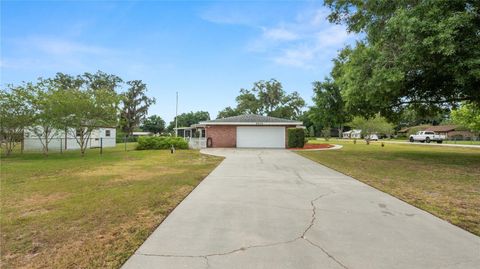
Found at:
<point>434,144</point>
<point>275,209</point>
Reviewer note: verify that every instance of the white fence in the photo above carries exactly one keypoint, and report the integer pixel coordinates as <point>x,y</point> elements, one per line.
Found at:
<point>196,143</point>
<point>61,144</point>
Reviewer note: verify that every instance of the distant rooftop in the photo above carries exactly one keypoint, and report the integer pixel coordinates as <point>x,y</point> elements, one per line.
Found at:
<point>442,128</point>
<point>251,118</point>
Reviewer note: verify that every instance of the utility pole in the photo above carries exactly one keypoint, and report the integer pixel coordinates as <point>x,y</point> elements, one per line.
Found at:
<point>176,115</point>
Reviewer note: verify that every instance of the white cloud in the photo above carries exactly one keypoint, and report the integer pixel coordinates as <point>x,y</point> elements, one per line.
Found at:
<point>279,34</point>
<point>305,40</point>
<point>300,56</point>
<point>43,52</point>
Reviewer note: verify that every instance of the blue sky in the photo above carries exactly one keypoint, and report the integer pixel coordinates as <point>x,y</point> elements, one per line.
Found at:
<point>205,50</point>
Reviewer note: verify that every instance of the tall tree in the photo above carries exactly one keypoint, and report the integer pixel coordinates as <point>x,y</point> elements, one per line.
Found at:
<point>228,112</point>
<point>422,54</point>
<point>187,119</point>
<point>101,80</point>
<point>154,124</point>
<point>329,111</point>
<point>268,98</point>
<point>16,114</point>
<point>135,105</point>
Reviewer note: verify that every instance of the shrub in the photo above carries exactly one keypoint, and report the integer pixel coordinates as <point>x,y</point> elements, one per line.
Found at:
<point>120,138</point>
<point>161,142</point>
<point>296,137</point>
<point>326,133</point>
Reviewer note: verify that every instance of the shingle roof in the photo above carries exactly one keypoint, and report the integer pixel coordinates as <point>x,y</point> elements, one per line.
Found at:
<point>441,128</point>
<point>251,118</point>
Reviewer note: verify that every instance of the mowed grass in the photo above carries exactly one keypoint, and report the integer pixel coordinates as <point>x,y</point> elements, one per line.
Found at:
<point>460,142</point>
<point>65,211</point>
<point>444,181</point>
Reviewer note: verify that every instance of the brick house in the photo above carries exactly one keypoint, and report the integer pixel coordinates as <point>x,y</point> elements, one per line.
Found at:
<point>244,131</point>
<point>449,131</point>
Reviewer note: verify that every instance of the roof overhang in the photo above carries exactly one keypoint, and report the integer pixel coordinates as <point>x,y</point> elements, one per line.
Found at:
<point>293,123</point>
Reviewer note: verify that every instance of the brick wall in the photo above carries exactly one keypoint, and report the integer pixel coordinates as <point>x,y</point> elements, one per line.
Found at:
<point>223,136</point>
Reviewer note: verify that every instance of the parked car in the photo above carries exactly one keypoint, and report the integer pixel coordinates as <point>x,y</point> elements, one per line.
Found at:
<point>373,137</point>
<point>426,136</point>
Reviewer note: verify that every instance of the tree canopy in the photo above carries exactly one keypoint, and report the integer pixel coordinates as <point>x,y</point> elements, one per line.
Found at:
<point>135,105</point>
<point>77,104</point>
<point>266,98</point>
<point>329,110</point>
<point>468,115</point>
<point>376,124</point>
<point>418,54</point>
<point>80,110</point>
<point>154,124</point>
<point>187,119</point>
<point>16,113</point>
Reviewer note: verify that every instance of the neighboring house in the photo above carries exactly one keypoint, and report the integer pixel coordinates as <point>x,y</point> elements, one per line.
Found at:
<point>403,131</point>
<point>137,134</point>
<point>244,131</point>
<point>352,134</point>
<point>450,132</point>
<point>103,136</point>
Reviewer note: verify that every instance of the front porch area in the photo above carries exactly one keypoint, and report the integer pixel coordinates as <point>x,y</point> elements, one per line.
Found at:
<point>195,135</point>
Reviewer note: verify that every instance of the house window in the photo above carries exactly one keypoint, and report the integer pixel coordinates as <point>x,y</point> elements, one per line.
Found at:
<point>78,132</point>
<point>107,133</point>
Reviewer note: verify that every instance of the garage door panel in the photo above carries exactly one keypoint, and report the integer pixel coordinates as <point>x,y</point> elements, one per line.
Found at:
<point>260,137</point>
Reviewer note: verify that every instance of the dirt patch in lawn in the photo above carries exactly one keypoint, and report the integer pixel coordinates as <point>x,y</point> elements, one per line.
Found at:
<point>128,172</point>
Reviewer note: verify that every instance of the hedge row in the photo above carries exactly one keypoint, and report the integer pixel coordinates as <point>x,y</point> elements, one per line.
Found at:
<point>296,138</point>
<point>161,142</point>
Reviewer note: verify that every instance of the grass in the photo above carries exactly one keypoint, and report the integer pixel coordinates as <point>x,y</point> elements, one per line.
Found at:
<point>65,211</point>
<point>441,180</point>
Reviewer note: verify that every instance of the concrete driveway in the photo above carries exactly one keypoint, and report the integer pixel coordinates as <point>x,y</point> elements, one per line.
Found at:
<point>276,209</point>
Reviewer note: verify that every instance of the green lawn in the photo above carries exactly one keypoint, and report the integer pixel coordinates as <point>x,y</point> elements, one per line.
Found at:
<point>444,181</point>
<point>65,211</point>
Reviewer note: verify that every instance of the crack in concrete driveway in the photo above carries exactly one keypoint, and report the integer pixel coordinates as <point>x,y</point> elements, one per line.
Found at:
<point>260,203</point>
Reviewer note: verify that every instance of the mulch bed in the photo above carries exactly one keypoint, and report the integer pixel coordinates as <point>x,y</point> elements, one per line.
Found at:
<point>314,146</point>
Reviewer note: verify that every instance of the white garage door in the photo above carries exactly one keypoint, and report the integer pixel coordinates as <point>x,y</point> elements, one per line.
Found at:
<point>260,137</point>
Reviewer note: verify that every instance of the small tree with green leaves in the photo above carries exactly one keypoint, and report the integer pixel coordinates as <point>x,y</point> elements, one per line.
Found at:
<point>377,124</point>
<point>326,132</point>
<point>16,114</point>
<point>45,122</point>
<point>80,110</point>
<point>468,115</point>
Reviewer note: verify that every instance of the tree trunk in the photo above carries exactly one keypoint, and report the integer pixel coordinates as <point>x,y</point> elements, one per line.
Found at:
<point>45,147</point>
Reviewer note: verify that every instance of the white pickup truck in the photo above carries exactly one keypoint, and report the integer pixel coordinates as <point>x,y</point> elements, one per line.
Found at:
<point>426,136</point>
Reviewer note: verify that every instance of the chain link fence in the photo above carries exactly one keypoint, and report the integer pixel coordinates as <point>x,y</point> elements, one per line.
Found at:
<point>33,144</point>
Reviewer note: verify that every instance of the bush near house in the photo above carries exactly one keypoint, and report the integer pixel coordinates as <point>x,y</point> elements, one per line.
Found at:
<point>296,138</point>
<point>161,142</point>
